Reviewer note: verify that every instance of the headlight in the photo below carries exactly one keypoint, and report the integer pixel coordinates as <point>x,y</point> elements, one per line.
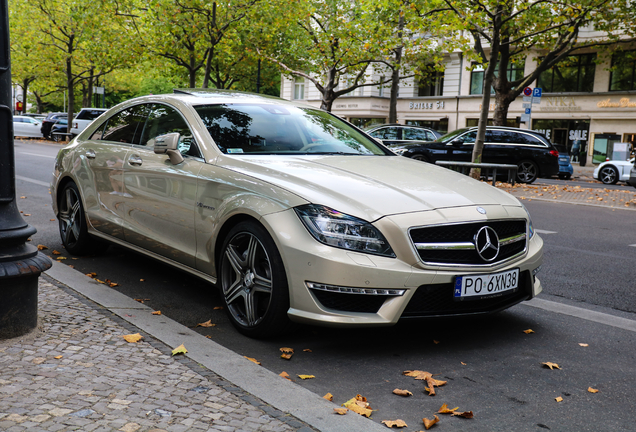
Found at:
<point>337,229</point>
<point>530,227</point>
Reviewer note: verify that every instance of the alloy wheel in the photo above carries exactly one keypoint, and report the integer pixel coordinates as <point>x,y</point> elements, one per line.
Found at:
<point>70,217</point>
<point>246,279</point>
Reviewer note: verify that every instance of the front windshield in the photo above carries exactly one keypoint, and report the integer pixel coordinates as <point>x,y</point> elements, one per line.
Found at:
<point>244,128</point>
<point>449,136</point>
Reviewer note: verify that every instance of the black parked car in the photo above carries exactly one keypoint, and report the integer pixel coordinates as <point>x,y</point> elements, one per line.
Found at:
<point>58,130</point>
<point>531,151</point>
<point>392,134</point>
<point>48,123</point>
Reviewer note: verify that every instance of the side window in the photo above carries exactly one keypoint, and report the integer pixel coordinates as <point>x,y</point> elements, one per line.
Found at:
<point>388,133</point>
<point>430,136</point>
<point>17,120</point>
<point>533,140</point>
<point>469,138</point>
<point>164,119</point>
<point>126,126</point>
<point>415,134</point>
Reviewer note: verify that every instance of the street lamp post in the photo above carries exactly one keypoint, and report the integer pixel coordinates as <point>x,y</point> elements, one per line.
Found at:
<point>20,263</point>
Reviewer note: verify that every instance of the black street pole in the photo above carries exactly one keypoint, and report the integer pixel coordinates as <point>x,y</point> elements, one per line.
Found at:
<point>258,77</point>
<point>20,263</point>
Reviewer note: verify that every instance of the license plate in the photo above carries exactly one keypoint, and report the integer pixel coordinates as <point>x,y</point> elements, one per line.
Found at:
<point>485,285</point>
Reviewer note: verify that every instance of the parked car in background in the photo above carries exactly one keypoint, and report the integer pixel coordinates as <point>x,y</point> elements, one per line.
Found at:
<point>565,165</point>
<point>59,130</point>
<point>36,116</point>
<point>531,151</point>
<point>392,134</point>
<point>48,123</point>
<point>24,126</point>
<point>613,171</point>
<point>632,175</point>
<point>292,213</point>
<point>84,118</point>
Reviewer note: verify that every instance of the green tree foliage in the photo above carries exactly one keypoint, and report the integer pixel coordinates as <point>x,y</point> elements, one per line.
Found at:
<point>503,31</point>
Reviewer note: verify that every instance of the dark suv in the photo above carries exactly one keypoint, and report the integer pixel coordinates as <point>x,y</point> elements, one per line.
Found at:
<point>531,151</point>
<point>48,123</point>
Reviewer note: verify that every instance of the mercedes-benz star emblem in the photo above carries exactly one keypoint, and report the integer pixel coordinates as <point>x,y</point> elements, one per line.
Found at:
<point>481,210</point>
<point>487,243</point>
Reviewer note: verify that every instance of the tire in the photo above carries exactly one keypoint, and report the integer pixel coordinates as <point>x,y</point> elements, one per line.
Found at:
<point>527,172</point>
<point>72,223</point>
<point>608,175</point>
<point>419,157</point>
<point>56,137</point>
<point>253,282</point>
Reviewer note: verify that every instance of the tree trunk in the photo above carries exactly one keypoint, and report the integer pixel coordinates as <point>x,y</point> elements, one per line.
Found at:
<point>395,74</point>
<point>71,93</point>
<point>91,83</point>
<point>327,101</point>
<point>500,117</point>
<point>192,70</point>
<point>25,86</point>
<point>208,68</point>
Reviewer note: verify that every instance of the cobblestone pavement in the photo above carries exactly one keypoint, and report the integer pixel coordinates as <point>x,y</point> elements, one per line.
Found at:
<point>76,372</point>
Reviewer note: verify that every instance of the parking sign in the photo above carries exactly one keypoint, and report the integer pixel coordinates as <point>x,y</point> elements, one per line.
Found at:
<point>536,92</point>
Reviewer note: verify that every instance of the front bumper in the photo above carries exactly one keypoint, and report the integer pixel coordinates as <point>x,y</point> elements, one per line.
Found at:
<point>427,290</point>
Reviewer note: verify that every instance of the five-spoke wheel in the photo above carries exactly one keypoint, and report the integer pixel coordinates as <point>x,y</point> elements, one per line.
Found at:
<point>72,223</point>
<point>527,171</point>
<point>608,175</point>
<point>253,281</point>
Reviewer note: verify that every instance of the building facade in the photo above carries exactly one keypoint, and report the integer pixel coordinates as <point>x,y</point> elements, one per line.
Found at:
<point>588,102</point>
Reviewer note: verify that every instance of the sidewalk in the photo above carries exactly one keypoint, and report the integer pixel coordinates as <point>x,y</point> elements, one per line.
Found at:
<point>76,372</point>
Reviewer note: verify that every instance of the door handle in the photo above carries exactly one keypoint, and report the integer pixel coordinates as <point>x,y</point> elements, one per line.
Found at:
<point>90,153</point>
<point>135,160</point>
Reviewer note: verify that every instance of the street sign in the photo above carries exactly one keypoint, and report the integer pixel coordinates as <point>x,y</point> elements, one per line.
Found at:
<point>536,92</point>
<point>536,100</point>
<point>525,118</point>
<point>528,111</point>
<point>527,91</point>
<point>526,105</point>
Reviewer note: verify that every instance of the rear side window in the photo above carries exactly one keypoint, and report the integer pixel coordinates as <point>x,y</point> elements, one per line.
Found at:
<point>386,133</point>
<point>417,134</point>
<point>89,114</point>
<point>126,126</point>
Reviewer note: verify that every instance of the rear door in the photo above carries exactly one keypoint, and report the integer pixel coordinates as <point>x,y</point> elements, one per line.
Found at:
<point>104,154</point>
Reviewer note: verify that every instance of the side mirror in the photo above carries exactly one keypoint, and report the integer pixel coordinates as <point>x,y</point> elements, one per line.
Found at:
<point>456,142</point>
<point>169,144</point>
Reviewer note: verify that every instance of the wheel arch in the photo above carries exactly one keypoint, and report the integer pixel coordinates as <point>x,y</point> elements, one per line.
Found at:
<point>224,231</point>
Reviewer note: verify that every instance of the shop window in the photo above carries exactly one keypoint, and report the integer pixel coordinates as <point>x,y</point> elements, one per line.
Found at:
<point>514,72</point>
<point>299,88</point>
<point>438,125</point>
<point>573,74</point>
<point>432,85</point>
<point>623,71</point>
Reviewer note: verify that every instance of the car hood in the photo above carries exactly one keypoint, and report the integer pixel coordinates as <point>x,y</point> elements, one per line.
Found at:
<point>369,187</point>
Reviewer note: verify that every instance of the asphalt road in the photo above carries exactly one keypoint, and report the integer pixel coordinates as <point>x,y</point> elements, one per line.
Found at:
<point>492,367</point>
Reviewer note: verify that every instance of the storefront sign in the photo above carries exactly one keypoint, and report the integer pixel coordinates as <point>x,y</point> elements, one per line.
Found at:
<point>347,106</point>
<point>426,105</point>
<point>560,103</point>
<point>623,103</point>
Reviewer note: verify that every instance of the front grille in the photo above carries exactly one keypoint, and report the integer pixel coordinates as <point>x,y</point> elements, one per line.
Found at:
<point>454,244</point>
<point>438,300</point>
<point>350,302</point>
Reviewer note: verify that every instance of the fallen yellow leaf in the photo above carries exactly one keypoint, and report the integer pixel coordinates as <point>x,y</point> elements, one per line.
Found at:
<point>429,423</point>
<point>208,323</point>
<point>58,357</point>
<point>156,313</point>
<point>141,300</point>
<point>217,307</point>
<point>528,331</point>
<point>91,275</point>
<point>328,397</point>
<point>287,353</point>
<point>132,338</point>
<point>417,374</point>
<point>435,341</point>
<point>400,392</point>
<point>463,363</point>
<point>306,376</point>
<point>42,247</point>
<point>307,350</point>
<point>359,405</point>
<point>253,360</point>
<point>395,423</point>
<point>142,280</point>
<point>445,410</point>
<point>61,258</point>
<point>284,375</point>
<point>583,344</point>
<point>551,365</point>
<point>22,197</point>
<point>55,252</point>
<point>558,399</point>
<point>592,390</point>
<point>113,284</point>
<point>179,350</point>
<point>340,411</point>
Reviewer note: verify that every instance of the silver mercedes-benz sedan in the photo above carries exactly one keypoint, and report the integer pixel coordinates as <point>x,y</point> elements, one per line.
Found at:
<point>292,213</point>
